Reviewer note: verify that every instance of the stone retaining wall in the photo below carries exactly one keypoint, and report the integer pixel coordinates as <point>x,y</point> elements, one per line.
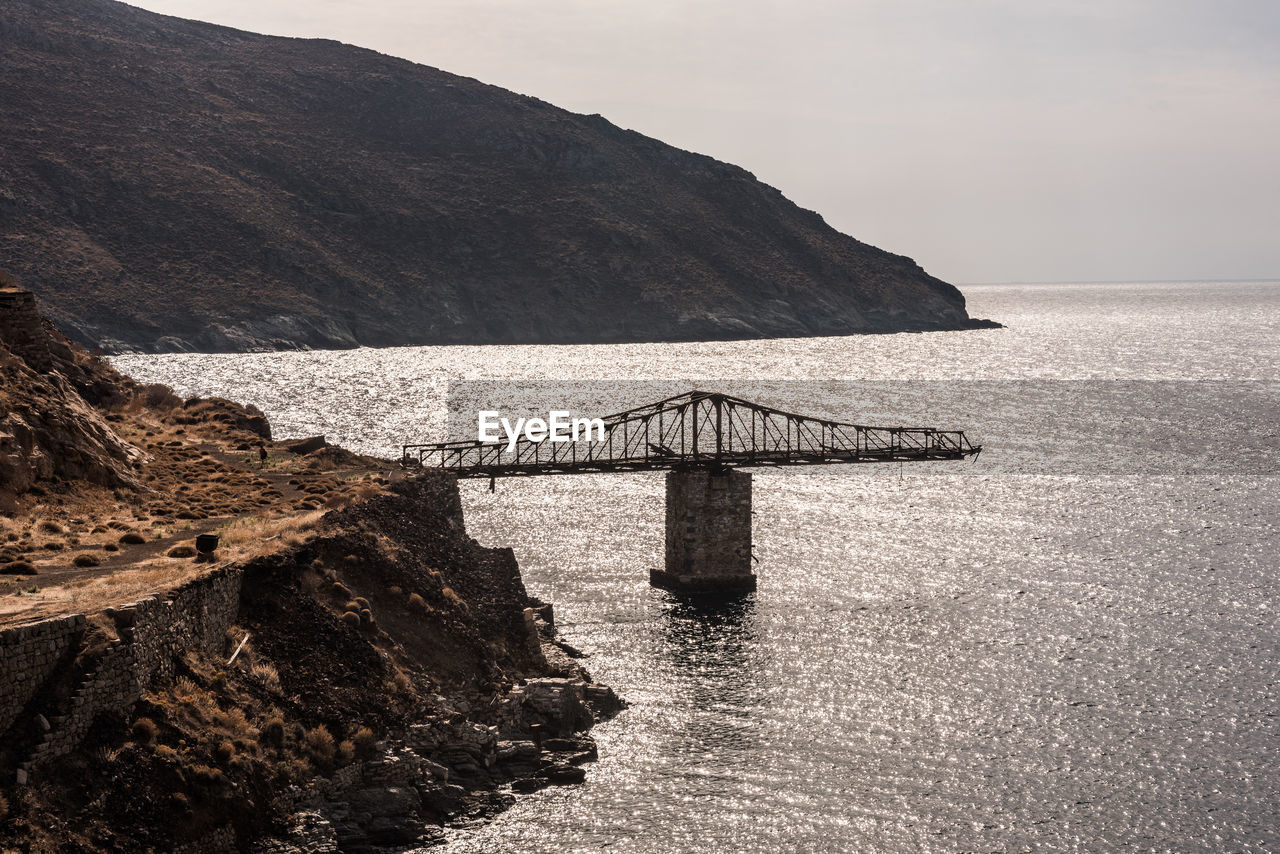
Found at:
<point>153,633</point>
<point>29,654</point>
<point>22,329</point>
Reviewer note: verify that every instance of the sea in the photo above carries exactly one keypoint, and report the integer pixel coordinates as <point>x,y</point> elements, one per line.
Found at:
<point>1067,643</point>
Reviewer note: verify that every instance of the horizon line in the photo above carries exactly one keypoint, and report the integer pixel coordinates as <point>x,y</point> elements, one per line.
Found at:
<point>1263,279</point>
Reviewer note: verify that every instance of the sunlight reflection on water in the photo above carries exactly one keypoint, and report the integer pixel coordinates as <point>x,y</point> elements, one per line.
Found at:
<point>936,659</point>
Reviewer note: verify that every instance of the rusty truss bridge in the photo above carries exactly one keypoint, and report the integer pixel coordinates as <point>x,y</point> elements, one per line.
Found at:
<point>702,440</point>
<point>697,430</point>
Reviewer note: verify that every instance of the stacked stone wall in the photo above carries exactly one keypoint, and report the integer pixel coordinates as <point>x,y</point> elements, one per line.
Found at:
<point>153,633</point>
<point>29,655</point>
<point>22,329</point>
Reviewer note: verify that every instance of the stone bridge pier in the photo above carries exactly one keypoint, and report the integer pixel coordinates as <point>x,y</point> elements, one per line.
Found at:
<point>708,532</point>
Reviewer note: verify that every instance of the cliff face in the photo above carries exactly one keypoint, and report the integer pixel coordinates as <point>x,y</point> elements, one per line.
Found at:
<point>171,185</point>
<point>354,672</point>
<point>352,692</point>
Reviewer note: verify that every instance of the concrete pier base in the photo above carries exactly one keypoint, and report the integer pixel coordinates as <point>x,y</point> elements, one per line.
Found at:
<point>708,532</point>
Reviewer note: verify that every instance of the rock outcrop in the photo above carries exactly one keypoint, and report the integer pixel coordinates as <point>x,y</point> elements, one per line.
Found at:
<point>353,670</point>
<point>61,407</point>
<point>172,185</point>
<point>48,429</point>
<point>247,714</point>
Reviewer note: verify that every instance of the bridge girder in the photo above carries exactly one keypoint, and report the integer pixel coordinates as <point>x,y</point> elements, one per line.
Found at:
<point>698,429</point>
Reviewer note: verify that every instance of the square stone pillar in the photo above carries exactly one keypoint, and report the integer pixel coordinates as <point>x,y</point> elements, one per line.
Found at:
<point>708,532</point>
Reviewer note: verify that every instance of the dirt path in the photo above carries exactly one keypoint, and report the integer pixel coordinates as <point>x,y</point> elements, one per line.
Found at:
<point>189,483</point>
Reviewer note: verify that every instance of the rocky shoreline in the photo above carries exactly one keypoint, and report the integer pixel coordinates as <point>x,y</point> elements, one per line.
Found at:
<point>451,769</point>
<point>347,670</point>
<point>322,732</point>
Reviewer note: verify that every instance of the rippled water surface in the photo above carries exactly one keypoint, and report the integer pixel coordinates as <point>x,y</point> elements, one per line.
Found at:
<point>1070,644</point>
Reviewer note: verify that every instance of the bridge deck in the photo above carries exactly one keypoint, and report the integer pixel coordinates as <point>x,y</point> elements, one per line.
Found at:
<point>699,429</point>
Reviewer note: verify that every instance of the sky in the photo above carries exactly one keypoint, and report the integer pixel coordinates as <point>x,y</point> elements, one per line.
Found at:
<point>990,140</point>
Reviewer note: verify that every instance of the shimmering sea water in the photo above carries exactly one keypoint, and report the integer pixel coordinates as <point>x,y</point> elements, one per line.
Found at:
<point>1071,644</point>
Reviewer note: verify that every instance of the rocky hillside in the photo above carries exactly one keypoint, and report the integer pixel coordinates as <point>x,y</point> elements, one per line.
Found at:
<point>51,426</point>
<point>346,670</point>
<point>168,185</point>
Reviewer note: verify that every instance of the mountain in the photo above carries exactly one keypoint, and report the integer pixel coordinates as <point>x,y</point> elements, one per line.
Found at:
<point>172,185</point>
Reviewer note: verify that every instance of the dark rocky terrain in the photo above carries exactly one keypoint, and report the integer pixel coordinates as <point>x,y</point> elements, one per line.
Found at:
<point>170,185</point>
<point>347,671</point>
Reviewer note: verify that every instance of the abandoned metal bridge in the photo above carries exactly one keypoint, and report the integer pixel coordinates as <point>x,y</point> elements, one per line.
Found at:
<point>697,429</point>
<point>701,439</point>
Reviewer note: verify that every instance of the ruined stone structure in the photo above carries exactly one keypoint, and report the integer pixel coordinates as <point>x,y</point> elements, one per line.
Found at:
<point>150,634</point>
<point>708,532</point>
<point>22,328</point>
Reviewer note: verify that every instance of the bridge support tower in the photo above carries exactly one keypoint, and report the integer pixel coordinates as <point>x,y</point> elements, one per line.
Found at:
<point>708,532</point>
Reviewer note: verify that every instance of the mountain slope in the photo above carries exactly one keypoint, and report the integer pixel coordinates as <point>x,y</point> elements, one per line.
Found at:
<point>168,185</point>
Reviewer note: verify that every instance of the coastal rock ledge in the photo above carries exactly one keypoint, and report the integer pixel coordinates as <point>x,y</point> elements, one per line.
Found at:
<point>341,669</point>
<point>326,734</point>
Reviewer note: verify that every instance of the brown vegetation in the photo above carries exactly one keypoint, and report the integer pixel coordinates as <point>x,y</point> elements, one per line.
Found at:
<point>331,653</point>
<point>112,526</point>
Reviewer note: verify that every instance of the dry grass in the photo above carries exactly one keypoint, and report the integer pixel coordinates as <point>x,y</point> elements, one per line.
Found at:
<point>107,755</point>
<point>153,576</point>
<point>11,529</point>
<point>365,743</point>
<point>242,539</point>
<point>254,536</point>
<point>144,731</point>
<point>154,396</point>
<point>196,476</point>
<point>320,746</point>
<point>234,723</point>
<point>273,733</point>
<point>267,675</point>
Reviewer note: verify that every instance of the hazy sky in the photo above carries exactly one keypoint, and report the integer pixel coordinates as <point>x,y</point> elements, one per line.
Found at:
<point>991,140</point>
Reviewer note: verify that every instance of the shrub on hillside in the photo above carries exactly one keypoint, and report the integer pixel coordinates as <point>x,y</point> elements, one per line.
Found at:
<point>144,731</point>
<point>365,742</point>
<point>267,675</point>
<point>158,396</point>
<point>320,746</point>
<point>224,753</point>
<point>273,733</point>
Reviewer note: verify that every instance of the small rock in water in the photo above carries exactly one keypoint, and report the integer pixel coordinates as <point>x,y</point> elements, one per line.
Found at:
<point>562,774</point>
<point>525,785</point>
